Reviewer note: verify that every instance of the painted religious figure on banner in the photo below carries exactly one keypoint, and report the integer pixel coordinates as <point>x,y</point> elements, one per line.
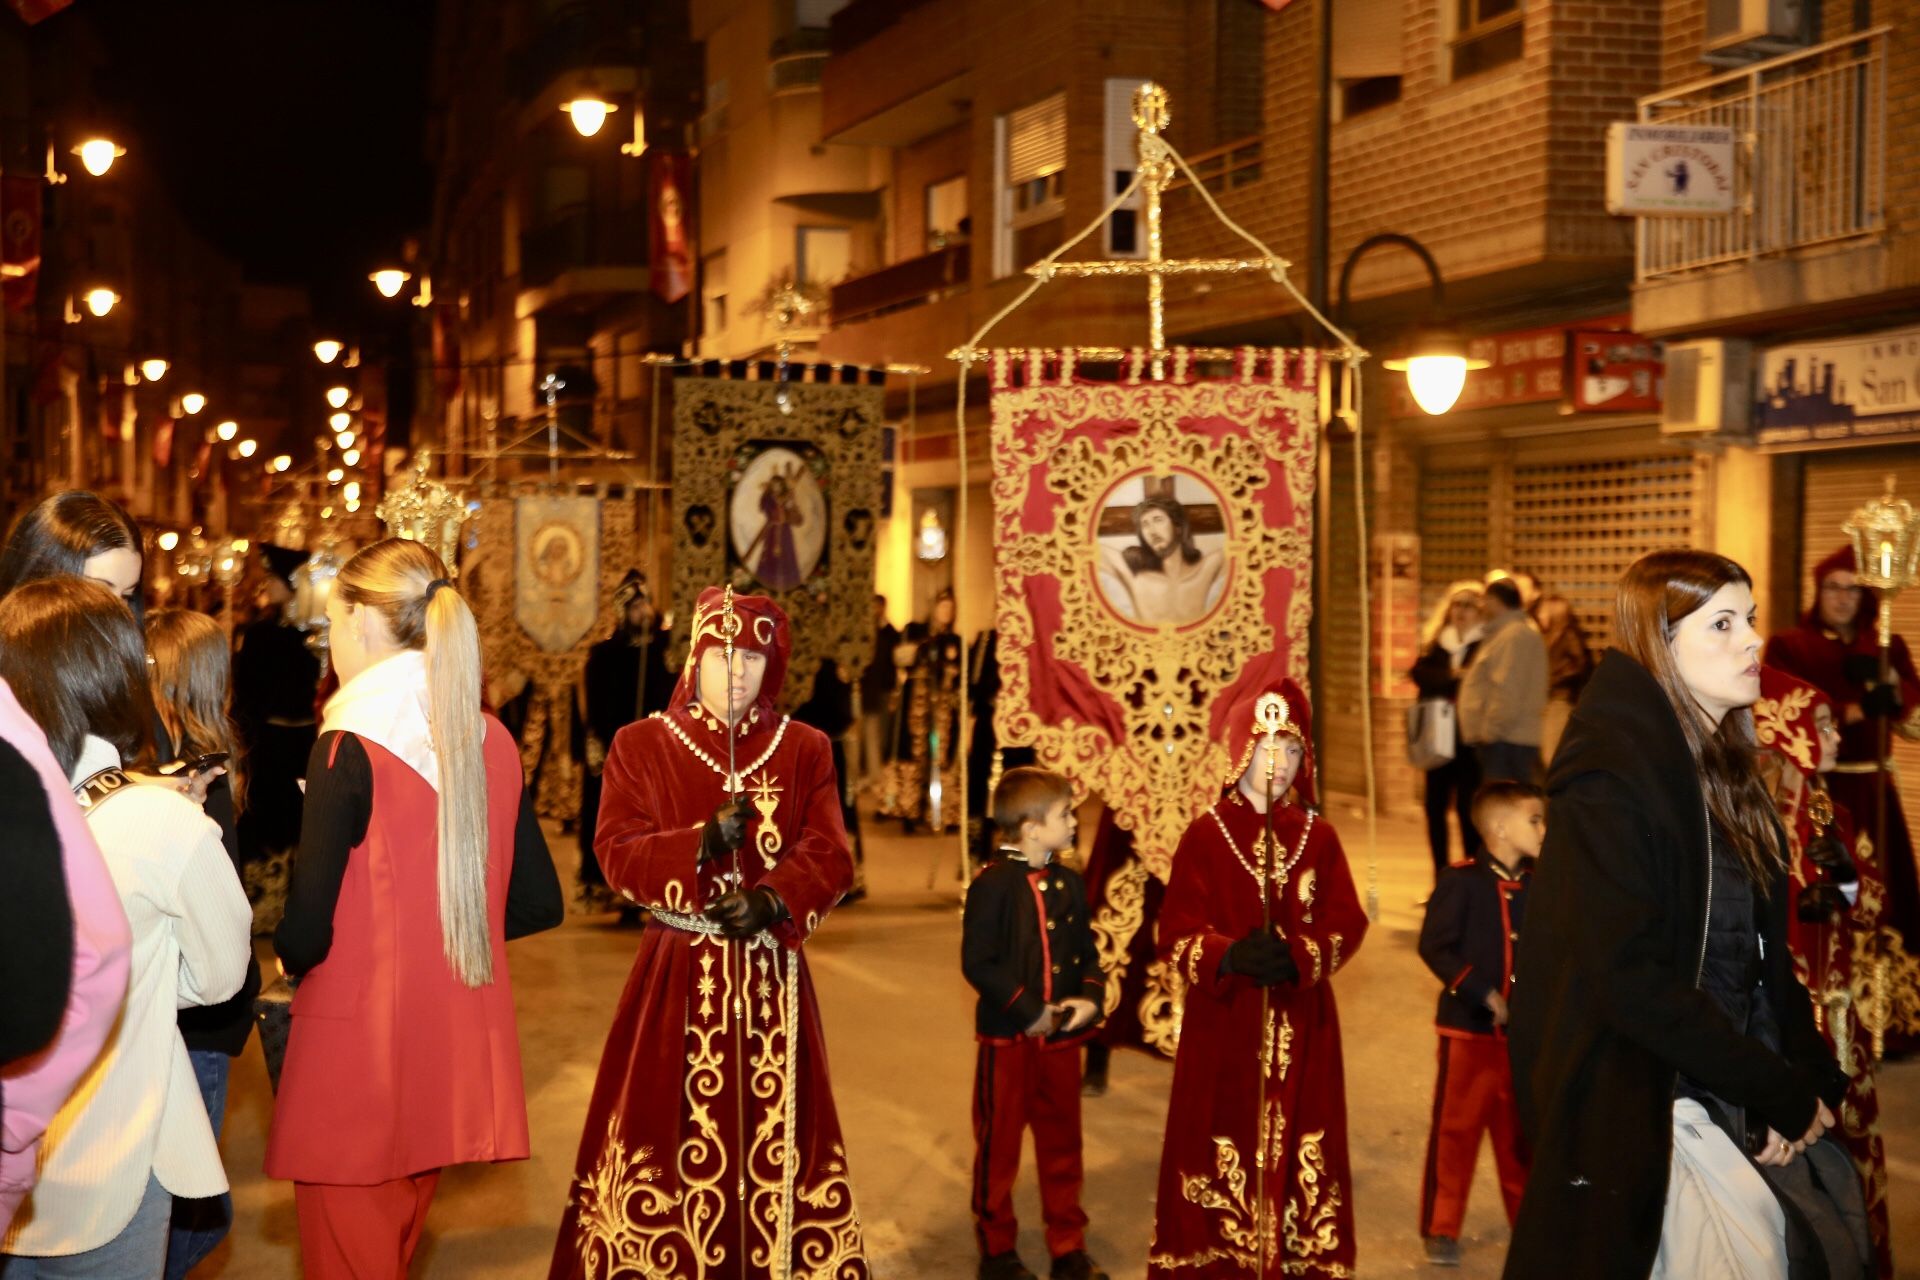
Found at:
<point>712,1148</point>
<point>778,518</point>
<point>1162,549</point>
<point>557,569</point>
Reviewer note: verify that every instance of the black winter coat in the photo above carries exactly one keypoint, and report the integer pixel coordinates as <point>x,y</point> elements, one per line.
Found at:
<point>1025,943</point>
<point>1607,1012</point>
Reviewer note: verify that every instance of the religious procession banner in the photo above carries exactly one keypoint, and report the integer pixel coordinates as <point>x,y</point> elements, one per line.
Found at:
<point>556,569</point>
<point>778,485</point>
<point>1154,546</point>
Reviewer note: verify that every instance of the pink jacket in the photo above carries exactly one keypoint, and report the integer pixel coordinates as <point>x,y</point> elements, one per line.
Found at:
<point>33,1090</point>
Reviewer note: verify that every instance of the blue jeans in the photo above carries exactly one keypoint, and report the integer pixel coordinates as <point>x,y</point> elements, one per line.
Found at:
<point>139,1252</point>
<point>200,1225</point>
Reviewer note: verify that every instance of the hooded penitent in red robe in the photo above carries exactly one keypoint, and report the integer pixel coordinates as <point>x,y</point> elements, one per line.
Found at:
<point>1823,948</point>
<point>1834,665</point>
<point>1250,1066</point>
<point>713,1032</point>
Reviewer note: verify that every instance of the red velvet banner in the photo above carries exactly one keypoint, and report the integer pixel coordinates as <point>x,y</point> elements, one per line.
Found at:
<point>1154,545</point>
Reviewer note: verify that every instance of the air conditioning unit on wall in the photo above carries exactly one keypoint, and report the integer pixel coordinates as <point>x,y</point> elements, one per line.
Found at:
<point>1756,28</point>
<point>1709,388</point>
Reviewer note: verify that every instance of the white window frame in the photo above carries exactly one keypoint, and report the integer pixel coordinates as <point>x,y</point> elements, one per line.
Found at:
<point>1122,159</point>
<point>1006,219</point>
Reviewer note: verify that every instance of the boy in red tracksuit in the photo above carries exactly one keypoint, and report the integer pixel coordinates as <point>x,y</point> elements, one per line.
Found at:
<point>1026,947</point>
<point>1471,934</point>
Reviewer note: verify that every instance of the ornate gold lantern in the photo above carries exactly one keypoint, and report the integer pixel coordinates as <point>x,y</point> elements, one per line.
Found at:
<point>428,512</point>
<point>1886,549</point>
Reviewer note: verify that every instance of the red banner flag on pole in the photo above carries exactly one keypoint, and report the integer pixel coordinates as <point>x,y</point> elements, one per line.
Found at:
<point>672,243</point>
<point>32,11</point>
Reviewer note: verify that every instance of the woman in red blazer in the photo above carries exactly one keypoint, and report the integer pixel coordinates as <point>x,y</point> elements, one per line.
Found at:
<point>420,855</point>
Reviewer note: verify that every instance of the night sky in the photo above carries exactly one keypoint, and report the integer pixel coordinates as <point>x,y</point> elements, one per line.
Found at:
<point>291,132</point>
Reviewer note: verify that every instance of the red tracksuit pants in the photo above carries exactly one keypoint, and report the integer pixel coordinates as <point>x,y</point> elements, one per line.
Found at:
<point>1473,1095</point>
<point>1017,1086</point>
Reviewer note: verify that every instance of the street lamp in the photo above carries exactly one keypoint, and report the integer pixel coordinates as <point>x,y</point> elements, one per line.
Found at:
<point>282,461</point>
<point>589,112</point>
<point>100,301</point>
<point>192,403</point>
<point>334,475</point>
<point>227,430</point>
<point>338,397</point>
<point>345,439</point>
<point>326,350</point>
<point>168,540</point>
<point>98,154</point>
<point>340,421</point>
<point>390,280</point>
<point>351,457</point>
<point>153,369</point>
<point>1436,360</point>
<point>248,448</point>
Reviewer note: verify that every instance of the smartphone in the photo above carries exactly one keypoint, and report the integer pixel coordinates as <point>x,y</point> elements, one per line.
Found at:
<point>200,764</point>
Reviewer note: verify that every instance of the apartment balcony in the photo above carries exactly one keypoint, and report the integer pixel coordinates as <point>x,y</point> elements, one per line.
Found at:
<point>897,72</point>
<point>581,259</point>
<point>1809,225</point>
<point>913,283</point>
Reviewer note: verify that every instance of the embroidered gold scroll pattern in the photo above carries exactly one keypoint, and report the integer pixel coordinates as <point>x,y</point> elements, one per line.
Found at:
<point>1310,1221</point>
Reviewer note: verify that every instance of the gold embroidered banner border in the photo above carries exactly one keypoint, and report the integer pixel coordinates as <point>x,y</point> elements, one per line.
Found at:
<point>1154,544</point>
<point>733,445</point>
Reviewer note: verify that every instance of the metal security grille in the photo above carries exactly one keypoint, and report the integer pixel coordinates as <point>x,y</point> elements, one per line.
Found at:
<point>1834,487</point>
<point>1454,541</point>
<point>1578,525</point>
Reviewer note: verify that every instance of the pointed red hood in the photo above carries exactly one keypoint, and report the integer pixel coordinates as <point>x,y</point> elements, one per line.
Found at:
<point>1869,599</point>
<point>762,628</point>
<point>1242,731</point>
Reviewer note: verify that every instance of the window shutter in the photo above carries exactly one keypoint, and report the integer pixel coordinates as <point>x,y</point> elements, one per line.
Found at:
<point>1037,140</point>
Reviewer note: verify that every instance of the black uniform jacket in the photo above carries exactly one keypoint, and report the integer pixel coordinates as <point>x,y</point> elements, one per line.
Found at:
<point>1607,1012</point>
<point>1469,939</point>
<point>1026,944</point>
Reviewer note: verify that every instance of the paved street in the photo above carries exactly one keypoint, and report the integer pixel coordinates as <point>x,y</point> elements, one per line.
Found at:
<point>898,1023</point>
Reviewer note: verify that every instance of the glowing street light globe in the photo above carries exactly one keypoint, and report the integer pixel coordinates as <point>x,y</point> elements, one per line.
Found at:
<point>153,369</point>
<point>227,430</point>
<point>98,154</point>
<point>1436,367</point>
<point>389,281</point>
<point>340,422</point>
<point>588,112</point>
<point>351,457</point>
<point>168,540</point>
<point>100,301</point>
<point>338,397</point>
<point>192,403</point>
<point>345,439</point>
<point>335,476</point>
<point>282,462</point>
<point>249,447</point>
<point>327,350</point>
<point>352,491</point>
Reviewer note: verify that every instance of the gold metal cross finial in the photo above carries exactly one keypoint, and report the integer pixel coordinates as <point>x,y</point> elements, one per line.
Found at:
<point>1150,111</point>
<point>1271,714</point>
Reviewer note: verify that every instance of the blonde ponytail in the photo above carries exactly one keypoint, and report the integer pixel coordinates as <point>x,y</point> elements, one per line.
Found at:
<point>408,585</point>
<point>459,740</point>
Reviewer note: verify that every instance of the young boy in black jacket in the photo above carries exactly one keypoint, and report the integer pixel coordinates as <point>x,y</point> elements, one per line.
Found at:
<point>1470,937</point>
<point>1027,949</point>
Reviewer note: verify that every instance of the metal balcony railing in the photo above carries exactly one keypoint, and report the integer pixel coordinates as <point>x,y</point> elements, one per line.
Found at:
<point>1811,156</point>
<point>796,72</point>
<point>1223,168</point>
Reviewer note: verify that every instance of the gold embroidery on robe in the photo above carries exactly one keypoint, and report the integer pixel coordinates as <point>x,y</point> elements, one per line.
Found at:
<point>1309,1220</point>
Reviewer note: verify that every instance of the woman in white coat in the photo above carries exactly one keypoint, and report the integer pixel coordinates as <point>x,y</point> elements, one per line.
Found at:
<point>135,1132</point>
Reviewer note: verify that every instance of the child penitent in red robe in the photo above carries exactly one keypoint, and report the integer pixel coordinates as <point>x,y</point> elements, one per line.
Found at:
<point>716,1065</point>
<point>1259,1061</point>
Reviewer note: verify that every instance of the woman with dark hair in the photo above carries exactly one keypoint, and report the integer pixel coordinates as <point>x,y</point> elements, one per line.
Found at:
<point>136,1135</point>
<point>1659,1035</point>
<point>76,533</point>
<point>1448,641</point>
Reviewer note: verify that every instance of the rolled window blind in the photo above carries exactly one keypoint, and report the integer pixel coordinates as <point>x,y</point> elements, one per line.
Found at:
<point>1037,140</point>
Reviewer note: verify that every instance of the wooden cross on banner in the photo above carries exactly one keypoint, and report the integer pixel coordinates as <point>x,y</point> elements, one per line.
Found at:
<point>1117,520</point>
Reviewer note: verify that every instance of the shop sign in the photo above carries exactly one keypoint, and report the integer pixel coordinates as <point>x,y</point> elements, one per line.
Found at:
<point>1599,367</point>
<point>1669,170</point>
<point>1856,388</point>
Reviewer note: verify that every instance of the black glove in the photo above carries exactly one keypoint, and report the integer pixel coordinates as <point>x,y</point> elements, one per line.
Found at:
<point>745,912</point>
<point>1882,700</point>
<point>1861,668</point>
<point>725,831</point>
<point>1263,960</point>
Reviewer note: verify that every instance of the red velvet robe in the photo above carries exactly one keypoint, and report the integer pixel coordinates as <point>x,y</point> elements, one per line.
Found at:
<point>1204,1223</point>
<point>1823,956</point>
<point>657,1183</point>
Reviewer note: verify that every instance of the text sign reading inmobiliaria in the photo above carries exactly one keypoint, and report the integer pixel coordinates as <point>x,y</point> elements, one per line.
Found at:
<point>1863,387</point>
<point>1669,170</point>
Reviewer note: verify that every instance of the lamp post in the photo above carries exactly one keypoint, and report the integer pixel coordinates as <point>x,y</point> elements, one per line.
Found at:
<point>1435,360</point>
